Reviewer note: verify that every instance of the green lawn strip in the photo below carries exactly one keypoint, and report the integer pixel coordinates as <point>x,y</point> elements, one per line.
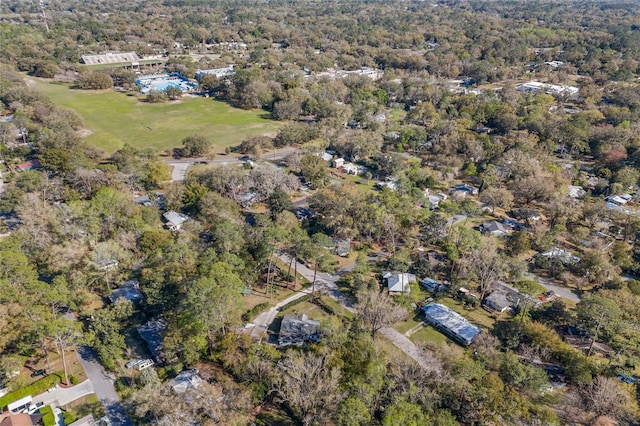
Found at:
<point>530,287</point>
<point>116,118</point>
<point>428,335</point>
<point>33,389</point>
<point>477,316</point>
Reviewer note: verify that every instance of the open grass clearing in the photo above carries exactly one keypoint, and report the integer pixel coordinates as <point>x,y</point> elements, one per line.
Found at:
<point>476,315</point>
<point>89,404</point>
<point>116,118</point>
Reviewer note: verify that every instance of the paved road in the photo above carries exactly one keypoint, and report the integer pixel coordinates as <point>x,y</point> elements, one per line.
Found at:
<point>103,388</point>
<point>327,283</point>
<point>62,396</point>
<point>181,165</point>
<point>560,291</point>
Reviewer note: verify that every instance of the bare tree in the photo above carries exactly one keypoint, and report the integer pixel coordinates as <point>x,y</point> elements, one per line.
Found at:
<point>483,265</point>
<point>309,385</point>
<point>604,397</point>
<point>377,310</point>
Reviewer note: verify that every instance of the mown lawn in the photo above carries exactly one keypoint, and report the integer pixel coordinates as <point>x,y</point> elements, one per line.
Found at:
<point>116,118</point>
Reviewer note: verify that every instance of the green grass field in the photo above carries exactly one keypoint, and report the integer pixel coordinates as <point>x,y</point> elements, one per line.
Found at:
<point>116,118</point>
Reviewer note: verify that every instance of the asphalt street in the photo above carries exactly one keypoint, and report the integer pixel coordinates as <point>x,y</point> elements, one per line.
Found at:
<point>103,388</point>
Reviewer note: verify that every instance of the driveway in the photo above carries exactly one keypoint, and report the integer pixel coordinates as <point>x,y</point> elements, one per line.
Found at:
<point>63,396</point>
<point>327,283</point>
<point>179,169</point>
<point>103,388</point>
<point>558,290</point>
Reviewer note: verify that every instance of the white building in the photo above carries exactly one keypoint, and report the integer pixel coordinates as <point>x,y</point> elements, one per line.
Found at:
<point>550,89</point>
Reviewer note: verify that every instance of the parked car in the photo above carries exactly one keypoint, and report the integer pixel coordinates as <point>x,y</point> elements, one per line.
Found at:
<point>40,372</point>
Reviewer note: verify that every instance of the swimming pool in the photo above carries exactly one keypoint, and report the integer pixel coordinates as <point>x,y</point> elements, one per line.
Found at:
<point>160,83</point>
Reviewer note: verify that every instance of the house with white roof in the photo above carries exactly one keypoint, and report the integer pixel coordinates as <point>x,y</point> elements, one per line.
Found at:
<point>398,282</point>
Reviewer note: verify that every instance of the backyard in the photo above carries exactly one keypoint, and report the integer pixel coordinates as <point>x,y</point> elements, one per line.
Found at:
<point>112,119</point>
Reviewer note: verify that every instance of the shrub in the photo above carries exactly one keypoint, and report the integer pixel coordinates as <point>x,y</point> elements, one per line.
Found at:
<point>48,419</point>
<point>295,302</point>
<point>68,417</point>
<point>74,380</point>
<point>33,389</point>
<point>254,311</point>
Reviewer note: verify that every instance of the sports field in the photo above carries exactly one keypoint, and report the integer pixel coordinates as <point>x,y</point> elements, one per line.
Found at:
<point>115,119</point>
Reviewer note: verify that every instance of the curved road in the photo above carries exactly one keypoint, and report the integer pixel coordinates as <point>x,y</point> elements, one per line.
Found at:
<point>327,282</point>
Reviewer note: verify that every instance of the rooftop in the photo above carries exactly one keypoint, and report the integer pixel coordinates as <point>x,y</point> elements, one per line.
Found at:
<point>298,329</point>
<point>152,333</point>
<point>451,323</point>
<point>129,290</point>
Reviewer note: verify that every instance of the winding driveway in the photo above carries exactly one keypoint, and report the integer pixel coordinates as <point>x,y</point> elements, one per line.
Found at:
<point>327,283</point>
<point>103,388</point>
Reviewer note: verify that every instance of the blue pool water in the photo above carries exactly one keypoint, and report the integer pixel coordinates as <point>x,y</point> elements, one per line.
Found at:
<point>162,82</point>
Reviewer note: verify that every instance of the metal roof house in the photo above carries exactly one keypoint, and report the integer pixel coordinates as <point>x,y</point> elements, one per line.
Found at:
<point>450,323</point>
<point>398,282</point>
<point>175,219</point>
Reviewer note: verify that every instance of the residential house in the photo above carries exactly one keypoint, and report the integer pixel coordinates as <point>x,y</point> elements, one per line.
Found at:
<point>435,199</point>
<point>576,191</point>
<point>432,285</point>
<point>175,220</point>
<point>463,189</point>
<point>495,228</point>
<point>326,156</point>
<point>186,380</point>
<point>504,298</point>
<point>298,330</point>
<point>353,169</point>
<point>152,332</point>
<point>22,419</point>
<point>338,162</point>
<point>390,183</point>
<point>526,214</point>
<point>620,200</point>
<point>450,323</point>
<point>398,282</point>
<point>564,256</point>
<point>550,89</point>
<point>218,72</point>
<point>343,247</point>
<point>130,290</point>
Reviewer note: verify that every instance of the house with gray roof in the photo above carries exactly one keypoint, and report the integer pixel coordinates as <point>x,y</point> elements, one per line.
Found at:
<point>298,330</point>
<point>130,290</point>
<point>175,220</point>
<point>450,323</point>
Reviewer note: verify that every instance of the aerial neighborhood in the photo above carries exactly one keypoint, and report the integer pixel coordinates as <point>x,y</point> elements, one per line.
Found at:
<point>319,213</point>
